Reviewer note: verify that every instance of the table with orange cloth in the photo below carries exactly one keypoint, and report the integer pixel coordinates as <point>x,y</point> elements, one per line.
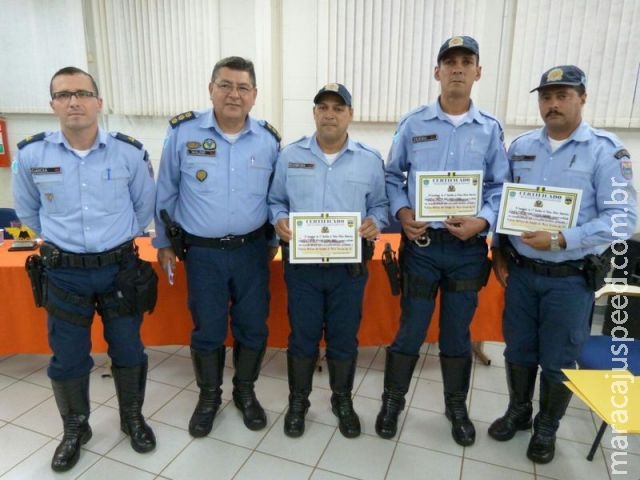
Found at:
<point>23,327</point>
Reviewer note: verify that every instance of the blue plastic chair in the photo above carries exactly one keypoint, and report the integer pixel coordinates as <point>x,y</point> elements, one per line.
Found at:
<point>7,215</point>
<point>597,353</point>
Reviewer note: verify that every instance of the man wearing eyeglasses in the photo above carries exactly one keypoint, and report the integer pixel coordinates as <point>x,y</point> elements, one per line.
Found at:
<point>88,193</point>
<point>440,142</point>
<point>214,175</point>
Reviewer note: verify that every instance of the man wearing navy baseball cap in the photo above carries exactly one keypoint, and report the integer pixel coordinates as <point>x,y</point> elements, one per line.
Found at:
<point>551,280</point>
<point>444,253</point>
<point>327,172</point>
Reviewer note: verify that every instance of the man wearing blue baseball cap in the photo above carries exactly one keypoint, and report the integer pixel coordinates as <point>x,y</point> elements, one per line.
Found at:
<point>327,172</point>
<point>448,138</point>
<point>551,279</point>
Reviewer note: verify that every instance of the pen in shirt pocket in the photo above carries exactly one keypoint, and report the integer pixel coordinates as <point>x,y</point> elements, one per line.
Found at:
<point>108,174</point>
<point>573,160</point>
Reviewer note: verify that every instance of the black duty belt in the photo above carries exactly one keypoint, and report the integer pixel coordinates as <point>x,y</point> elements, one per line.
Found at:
<point>548,269</point>
<point>228,242</point>
<point>53,257</point>
<point>442,235</point>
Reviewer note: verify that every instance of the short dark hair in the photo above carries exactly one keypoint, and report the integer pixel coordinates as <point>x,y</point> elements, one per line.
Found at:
<point>72,71</point>
<point>580,89</point>
<point>235,63</point>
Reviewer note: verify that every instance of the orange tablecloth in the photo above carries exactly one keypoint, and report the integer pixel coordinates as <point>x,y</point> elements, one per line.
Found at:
<point>23,326</point>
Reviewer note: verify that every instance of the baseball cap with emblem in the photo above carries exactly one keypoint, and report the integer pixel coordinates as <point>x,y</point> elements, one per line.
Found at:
<point>335,88</point>
<point>461,41</point>
<point>562,75</point>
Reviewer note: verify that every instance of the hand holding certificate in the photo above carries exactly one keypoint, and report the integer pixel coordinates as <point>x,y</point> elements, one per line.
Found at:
<point>440,195</point>
<point>319,237</point>
<point>530,208</point>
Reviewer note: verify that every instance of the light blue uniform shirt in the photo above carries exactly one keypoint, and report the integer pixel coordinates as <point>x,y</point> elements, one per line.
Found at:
<point>84,205</point>
<point>210,186</point>
<point>426,140</point>
<point>592,160</point>
<point>305,182</point>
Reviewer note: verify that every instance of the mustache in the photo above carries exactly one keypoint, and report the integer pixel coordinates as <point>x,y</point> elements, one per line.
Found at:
<point>552,112</point>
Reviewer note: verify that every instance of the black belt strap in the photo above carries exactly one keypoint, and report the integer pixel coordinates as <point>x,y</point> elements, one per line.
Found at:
<point>53,257</point>
<point>547,269</point>
<point>228,242</point>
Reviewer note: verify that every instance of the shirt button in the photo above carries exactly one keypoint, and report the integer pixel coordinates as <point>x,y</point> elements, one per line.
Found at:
<point>85,207</point>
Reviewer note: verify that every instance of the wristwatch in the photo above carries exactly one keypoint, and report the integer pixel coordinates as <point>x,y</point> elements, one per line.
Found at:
<point>555,242</point>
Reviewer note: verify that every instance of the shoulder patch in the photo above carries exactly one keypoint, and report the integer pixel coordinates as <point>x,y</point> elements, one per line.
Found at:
<point>183,117</point>
<point>622,153</point>
<point>30,139</point>
<point>127,139</point>
<point>272,130</point>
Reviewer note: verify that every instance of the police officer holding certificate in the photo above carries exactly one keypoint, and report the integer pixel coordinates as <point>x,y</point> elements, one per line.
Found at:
<point>450,256</point>
<point>549,293</point>
<point>327,172</point>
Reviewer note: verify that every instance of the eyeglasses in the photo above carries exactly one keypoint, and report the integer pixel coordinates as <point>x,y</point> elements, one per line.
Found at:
<point>227,88</point>
<point>65,95</point>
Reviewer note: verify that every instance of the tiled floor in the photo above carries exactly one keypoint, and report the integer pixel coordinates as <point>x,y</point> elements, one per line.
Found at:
<point>30,429</point>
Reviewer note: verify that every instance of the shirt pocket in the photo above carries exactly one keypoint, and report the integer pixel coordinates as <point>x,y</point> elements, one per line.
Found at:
<point>197,175</point>
<point>521,172</point>
<point>578,178</point>
<point>52,193</point>
<point>115,183</point>
<point>358,188</point>
<point>300,182</point>
<point>259,174</point>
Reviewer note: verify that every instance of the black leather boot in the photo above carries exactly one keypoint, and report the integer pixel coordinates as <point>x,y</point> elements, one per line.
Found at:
<point>521,381</point>
<point>398,370</point>
<point>72,398</point>
<point>341,374</point>
<point>247,364</point>
<point>130,387</point>
<point>300,371</point>
<point>208,368</point>
<point>554,400</point>
<point>456,374</point>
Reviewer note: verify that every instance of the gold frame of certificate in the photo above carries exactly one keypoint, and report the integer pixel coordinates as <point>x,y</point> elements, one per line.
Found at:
<point>531,208</point>
<point>325,237</point>
<point>444,194</point>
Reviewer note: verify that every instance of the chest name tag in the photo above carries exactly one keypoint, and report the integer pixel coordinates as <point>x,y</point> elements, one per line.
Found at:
<point>301,165</point>
<point>424,138</point>
<point>523,158</point>
<point>45,170</point>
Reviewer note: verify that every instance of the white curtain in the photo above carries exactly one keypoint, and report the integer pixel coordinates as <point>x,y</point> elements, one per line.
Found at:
<point>155,57</point>
<point>600,36</point>
<point>385,50</point>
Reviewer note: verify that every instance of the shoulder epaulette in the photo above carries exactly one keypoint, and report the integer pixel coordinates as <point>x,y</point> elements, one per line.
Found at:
<point>368,148</point>
<point>33,138</point>
<point>127,139</point>
<point>272,130</point>
<point>183,117</point>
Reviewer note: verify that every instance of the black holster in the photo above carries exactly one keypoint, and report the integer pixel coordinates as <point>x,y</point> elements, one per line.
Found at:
<point>359,269</point>
<point>137,286</point>
<point>175,234</point>
<point>596,268</point>
<point>38,279</point>
<point>391,267</point>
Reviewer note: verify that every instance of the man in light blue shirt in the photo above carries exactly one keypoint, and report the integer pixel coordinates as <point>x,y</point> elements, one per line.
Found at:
<point>450,135</point>
<point>88,193</point>
<point>214,175</point>
<point>548,301</point>
<point>327,172</point>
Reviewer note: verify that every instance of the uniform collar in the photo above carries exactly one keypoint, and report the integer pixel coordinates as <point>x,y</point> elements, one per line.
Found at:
<point>435,111</point>
<point>209,121</point>
<point>311,143</point>
<point>580,134</point>
<point>59,138</point>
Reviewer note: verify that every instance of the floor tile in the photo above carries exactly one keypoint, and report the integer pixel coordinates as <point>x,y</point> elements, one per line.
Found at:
<point>429,430</point>
<point>176,371</point>
<point>414,462</point>
<point>38,465</point>
<point>20,366</point>
<point>16,444</point>
<point>107,469</point>
<point>511,454</point>
<point>306,449</point>
<point>20,397</point>
<point>570,462</point>
<point>365,457</point>
<point>472,470</point>
<point>207,458</point>
<point>266,467</point>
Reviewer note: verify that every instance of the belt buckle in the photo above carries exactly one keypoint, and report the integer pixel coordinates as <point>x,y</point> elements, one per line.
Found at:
<point>227,241</point>
<point>423,240</point>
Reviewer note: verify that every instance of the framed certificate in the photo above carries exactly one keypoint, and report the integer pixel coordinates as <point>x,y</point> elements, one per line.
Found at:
<point>325,237</point>
<point>440,195</point>
<point>530,208</point>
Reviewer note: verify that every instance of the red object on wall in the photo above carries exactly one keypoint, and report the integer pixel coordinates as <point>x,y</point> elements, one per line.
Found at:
<point>5,158</point>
